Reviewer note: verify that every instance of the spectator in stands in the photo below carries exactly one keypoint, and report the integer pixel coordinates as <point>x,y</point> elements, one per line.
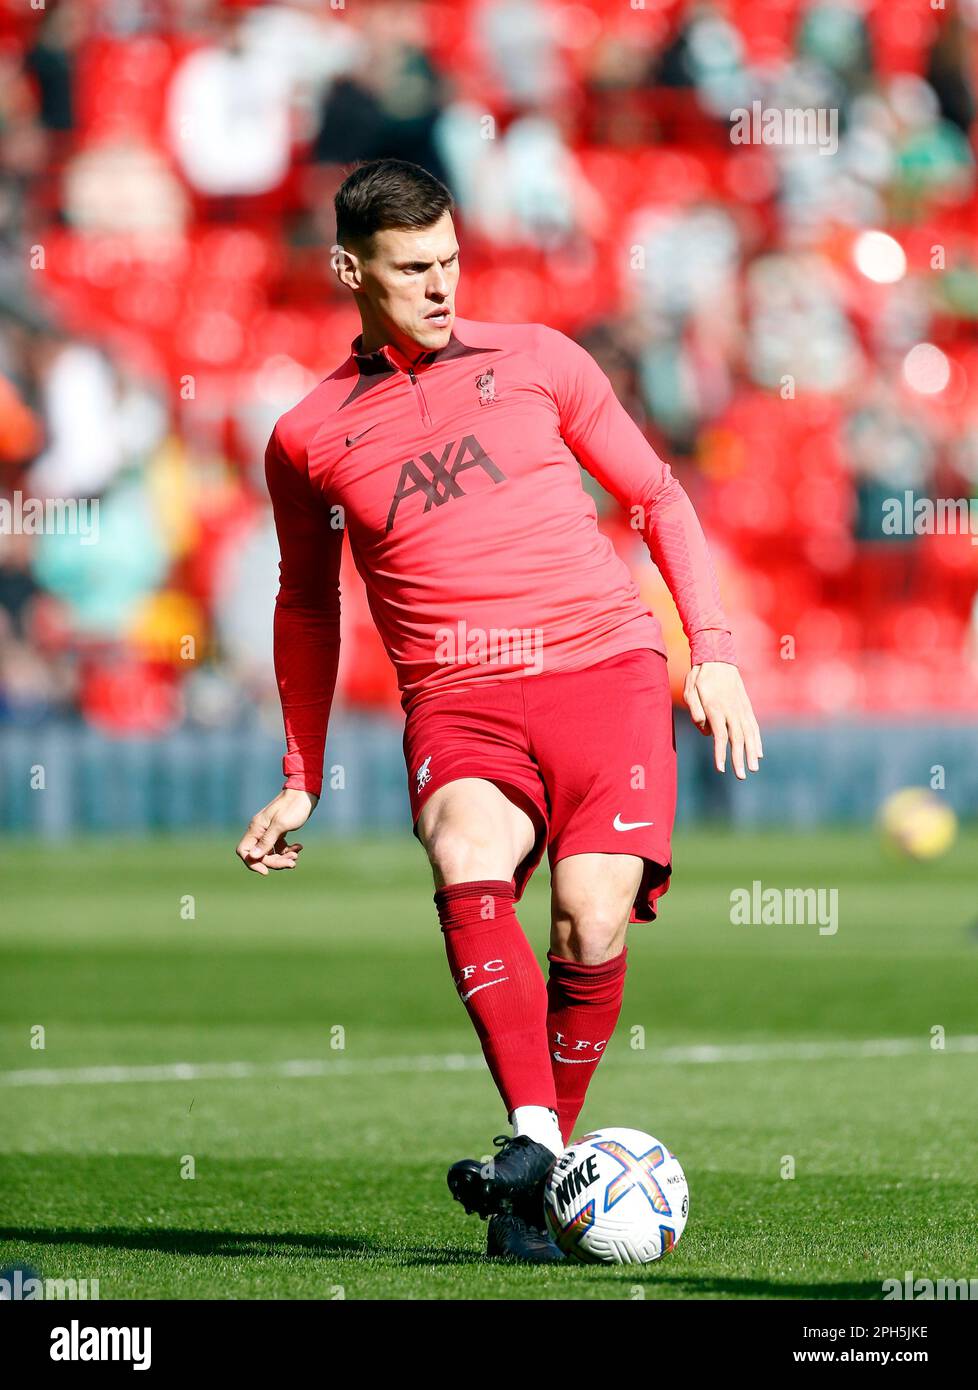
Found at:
<point>229,113</point>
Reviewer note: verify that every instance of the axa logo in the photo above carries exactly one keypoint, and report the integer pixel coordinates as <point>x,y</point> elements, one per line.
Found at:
<point>435,476</point>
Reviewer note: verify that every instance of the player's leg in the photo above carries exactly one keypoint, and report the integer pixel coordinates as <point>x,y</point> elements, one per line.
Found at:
<point>592,898</point>
<point>478,805</point>
<point>475,838</point>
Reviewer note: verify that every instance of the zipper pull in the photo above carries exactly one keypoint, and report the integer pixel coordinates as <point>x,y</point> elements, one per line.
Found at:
<point>414,379</point>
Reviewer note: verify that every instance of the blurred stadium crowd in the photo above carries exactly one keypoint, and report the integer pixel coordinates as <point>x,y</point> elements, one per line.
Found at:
<point>794,329</point>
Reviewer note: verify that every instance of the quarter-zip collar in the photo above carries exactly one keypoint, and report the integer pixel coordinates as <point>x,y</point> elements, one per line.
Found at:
<point>387,357</point>
<point>374,367</point>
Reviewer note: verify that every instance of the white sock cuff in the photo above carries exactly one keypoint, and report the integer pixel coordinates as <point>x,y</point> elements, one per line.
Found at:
<point>539,1123</point>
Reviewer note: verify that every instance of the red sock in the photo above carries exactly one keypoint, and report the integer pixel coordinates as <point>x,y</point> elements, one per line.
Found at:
<point>584,1004</point>
<point>501,985</point>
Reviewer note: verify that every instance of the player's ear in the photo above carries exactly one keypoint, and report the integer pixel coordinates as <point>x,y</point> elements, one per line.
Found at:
<point>345,266</point>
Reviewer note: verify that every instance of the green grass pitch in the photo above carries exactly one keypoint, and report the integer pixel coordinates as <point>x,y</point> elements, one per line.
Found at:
<point>328,1180</point>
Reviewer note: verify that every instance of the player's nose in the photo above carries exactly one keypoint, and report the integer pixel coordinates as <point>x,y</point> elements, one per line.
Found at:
<point>437,287</point>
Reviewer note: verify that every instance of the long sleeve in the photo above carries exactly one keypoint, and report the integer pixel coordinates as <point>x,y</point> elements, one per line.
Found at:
<point>612,448</point>
<point>307,615</point>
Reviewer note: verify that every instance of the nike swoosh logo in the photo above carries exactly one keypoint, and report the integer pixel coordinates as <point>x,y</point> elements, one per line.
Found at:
<point>351,439</point>
<point>489,985</point>
<point>620,824</point>
<point>576,1061</point>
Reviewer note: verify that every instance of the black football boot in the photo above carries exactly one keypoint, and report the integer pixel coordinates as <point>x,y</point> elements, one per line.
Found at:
<point>512,1238</point>
<point>511,1182</point>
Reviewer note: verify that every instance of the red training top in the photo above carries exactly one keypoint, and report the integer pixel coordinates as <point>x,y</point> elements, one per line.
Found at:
<point>456,477</point>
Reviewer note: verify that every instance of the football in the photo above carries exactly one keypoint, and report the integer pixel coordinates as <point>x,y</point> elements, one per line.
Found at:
<point>918,824</point>
<point>617,1196</point>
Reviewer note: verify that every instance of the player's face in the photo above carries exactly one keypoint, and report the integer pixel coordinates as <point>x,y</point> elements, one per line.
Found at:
<point>408,279</point>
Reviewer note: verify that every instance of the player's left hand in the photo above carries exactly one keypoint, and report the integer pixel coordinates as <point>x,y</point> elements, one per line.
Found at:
<point>718,704</point>
<point>263,845</point>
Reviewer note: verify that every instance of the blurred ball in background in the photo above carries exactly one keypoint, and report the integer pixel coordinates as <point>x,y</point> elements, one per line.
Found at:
<point>918,824</point>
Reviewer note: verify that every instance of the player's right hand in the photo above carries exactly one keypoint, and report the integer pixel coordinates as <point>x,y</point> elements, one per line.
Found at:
<point>263,845</point>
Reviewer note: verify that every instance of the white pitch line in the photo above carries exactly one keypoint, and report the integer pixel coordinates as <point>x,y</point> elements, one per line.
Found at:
<point>233,1071</point>
<point>704,1054</point>
<point>812,1051</point>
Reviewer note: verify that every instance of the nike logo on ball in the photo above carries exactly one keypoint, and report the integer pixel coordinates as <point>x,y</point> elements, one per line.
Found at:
<point>351,439</point>
<point>620,824</point>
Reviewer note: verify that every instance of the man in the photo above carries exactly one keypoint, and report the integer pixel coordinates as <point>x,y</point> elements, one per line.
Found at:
<point>533,677</point>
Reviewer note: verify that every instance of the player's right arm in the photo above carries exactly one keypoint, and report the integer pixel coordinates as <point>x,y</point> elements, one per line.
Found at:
<point>307,649</point>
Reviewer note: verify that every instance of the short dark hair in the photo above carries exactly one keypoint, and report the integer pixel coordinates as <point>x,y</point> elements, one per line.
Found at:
<point>383,194</point>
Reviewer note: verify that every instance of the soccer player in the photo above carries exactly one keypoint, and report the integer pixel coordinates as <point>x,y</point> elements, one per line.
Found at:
<point>532,675</point>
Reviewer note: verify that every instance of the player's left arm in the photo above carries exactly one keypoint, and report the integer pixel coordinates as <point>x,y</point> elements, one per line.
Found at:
<point>612,448</point>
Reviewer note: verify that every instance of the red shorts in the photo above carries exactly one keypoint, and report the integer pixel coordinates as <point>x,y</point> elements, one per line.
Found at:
<point>589,755</point>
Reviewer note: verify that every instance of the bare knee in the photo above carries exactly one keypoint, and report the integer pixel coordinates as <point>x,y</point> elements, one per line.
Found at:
<point>592,902</point>
<point>588,934</point>
<point>459,855</point>
<point>472,833</point>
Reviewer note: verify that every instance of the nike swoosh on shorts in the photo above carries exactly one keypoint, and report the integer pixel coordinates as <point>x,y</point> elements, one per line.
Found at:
<point>620,824</point>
